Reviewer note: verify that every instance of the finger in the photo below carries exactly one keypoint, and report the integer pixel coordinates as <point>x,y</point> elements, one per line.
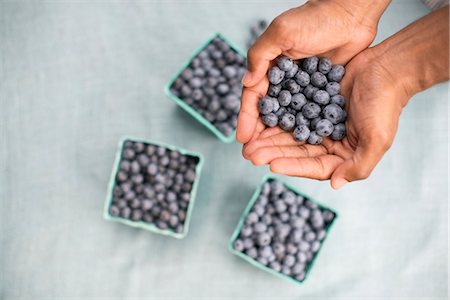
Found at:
<point>270,132</point>
<point>266,48</point>
<point>281,139</point>
<point>361,164</point>
<point>319,167</point>
<point>249,114</point>
<point>265,155</point>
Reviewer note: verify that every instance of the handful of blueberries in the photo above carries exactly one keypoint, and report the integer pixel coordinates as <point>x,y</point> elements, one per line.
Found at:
<point>303,97</point>
<point>211,84</point>
<point>153,184</point>
<point>283,230</point>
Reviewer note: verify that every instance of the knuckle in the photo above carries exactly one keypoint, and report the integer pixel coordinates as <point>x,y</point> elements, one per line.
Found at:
<point>363,173</point>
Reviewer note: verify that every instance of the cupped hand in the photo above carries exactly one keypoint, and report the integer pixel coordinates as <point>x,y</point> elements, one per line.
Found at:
<point>375,101</point>
<point>323,28</point>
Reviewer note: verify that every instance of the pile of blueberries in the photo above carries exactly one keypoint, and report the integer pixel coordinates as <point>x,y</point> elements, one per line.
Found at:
<point>303,97</point>
<point>256,30</point>
<point>211,84</point>
<point>283,230</point>
<point>153,185</point>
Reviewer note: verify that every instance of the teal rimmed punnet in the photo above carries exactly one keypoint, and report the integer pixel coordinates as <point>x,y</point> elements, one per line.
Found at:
<point>141,224</point>
<point>244,216</point>
<point>199,117</point>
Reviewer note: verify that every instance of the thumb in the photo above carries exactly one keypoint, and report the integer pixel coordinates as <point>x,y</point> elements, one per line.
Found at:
<point>259,56</point>
<point>360,165</point>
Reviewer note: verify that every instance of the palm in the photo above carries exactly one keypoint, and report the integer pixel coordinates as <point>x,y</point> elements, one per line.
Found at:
<point>372,123</point>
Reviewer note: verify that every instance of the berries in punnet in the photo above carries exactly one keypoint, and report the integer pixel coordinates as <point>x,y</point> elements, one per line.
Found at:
<point>279,237</point>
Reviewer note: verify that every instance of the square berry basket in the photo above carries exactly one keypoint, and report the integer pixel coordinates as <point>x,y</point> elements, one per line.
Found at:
<point>153,186</point>
<point>226,135</point>
<point>287,247</point>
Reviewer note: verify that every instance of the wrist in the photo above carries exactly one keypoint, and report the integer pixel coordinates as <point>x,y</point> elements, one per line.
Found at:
<point>366,13</point>
<point>416,57</point>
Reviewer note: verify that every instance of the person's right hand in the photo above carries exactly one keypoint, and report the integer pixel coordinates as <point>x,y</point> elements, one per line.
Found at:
<point>332,28</point>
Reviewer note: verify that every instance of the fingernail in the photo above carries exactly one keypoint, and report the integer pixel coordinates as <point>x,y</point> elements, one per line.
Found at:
<point>247,78</point>
<point>338,183</point>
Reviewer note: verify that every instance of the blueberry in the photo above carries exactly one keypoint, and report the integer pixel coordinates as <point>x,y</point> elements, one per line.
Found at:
<point>298,268</point>
<point>274,265</point>
<point>222,88</point>
<point>301,133</point>
<point>252,217</point>
<point>279,249</point>
<point>291,72</point>
<point>125,212</point>
<point>280,112</point>
<point>276,75</point>
<point>136,215</point>
<point>266,219</point>
<point>304,246</point>
<point>334,113</point>
<point>259,227</point>
<point>287,121</point>
<point>270,120</point>
<point>318,79</point>
<point>291,248</point>
<point>265,251</point>
<point>297,222</point>
<point>289,260</point>
<point>128,153</point>
<point>301,257</point>
<point>321,97</point>
<point>252,252</point>
<point>187,74</point>
<point>328,215</point>
<point>276,104</point>
<point>114,211</point>
<point>292,86</point>
<point>122,176</point>
<point>324,127</point>
<point>304,212</point>
<point>310,236</point>
<point>321,234</point>
<point>310,64</point>
<point>302,78</point>
<point>280,206</point>
<point>296,235</point>
<point>239,245</point>
<point>230,72</point>
<point>338,132</point>
<point>283,231</point>
<point>314,138</point>
<point>288,197</point>
<point>284,98</point>
<point>195,82</point>
<point>315,246</point>
<point>263,239</point>
<point>297,101</point>
<point>300,277</point>
<point>301,120</point>
<point>221,115</point>
<point>336,73</point>
<point>274,90</point>
<point>339,100</point>
<point>309,91</point>
<point>265,105</point>
<point>259,210</point>
<point>311,110</point>
<point>276,188</point>
<point>248,243</point>
<point>285,63</point>
<point>324,65</point>
<point>333,88</point>
<point>314,123</point>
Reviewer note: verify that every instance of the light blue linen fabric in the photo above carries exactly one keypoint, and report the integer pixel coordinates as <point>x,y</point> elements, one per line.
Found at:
<point>77,75</point>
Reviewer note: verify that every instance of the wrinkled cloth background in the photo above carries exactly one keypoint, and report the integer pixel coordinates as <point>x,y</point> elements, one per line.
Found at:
<point>77,75</point>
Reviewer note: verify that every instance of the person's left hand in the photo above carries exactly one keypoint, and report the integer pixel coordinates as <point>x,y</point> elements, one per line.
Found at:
<point>375,100</point>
